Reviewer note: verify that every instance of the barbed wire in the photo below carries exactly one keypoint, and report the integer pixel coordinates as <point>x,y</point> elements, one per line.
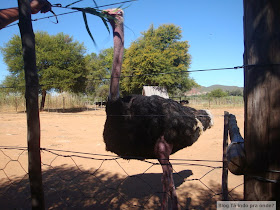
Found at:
<point>153,74</point>
<point>150,74</point>
<point>130,76</point>
<point>91,186</point>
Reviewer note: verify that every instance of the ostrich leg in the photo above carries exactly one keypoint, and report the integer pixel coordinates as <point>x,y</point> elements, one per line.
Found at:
<point>162,151</point>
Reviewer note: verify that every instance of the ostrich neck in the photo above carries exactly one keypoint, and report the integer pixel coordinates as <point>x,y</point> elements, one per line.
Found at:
<point>118,34</point>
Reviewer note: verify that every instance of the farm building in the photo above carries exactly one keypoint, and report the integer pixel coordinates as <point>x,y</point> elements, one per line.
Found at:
<point>155,90</point>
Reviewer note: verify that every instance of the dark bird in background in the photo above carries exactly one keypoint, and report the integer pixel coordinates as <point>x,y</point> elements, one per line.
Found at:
<point>146,127</point>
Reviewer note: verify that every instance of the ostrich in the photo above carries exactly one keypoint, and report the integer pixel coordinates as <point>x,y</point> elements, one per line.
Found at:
<point>148,127</point>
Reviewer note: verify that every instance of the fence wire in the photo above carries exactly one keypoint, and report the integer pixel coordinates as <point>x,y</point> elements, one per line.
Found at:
<point>78,180</point>
<point>68,103</point>
<point>67,13</point>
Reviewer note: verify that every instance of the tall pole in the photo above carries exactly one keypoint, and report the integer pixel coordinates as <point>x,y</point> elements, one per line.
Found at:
<point>225,161</point>
<point>262,99</point>
<point>32,108</point>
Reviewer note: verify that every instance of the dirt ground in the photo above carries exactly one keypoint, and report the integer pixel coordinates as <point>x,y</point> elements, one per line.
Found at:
<point>79,174</point>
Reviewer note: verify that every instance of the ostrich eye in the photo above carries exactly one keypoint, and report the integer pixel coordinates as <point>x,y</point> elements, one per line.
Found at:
<point>119,12</point>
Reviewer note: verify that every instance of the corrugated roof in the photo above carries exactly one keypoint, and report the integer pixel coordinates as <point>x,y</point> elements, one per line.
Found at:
<point>155,90</point>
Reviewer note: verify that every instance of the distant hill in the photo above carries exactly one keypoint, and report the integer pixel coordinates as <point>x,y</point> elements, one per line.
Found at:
<point>223,87</point>
<point>203,90</point>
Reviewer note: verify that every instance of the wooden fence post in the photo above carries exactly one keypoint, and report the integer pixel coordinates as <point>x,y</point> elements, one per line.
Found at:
<point>225,164</point>
<point>32,108</point>
<point>262,99</point>
<point>235,151</point>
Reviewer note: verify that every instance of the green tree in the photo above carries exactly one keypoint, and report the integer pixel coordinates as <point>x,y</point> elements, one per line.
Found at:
<point>236,92</point>
<point>150,59</point>
<point>60,63</point>
<point>99,71</point>
<point>217,93</point>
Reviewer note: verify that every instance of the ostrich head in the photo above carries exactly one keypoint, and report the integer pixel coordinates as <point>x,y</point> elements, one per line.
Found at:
<point>115,17</point>
<point>116,14</point>
<point>206,118</point>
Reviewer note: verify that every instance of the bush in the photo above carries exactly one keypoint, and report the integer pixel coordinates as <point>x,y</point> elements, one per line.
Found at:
<point>218,93</point>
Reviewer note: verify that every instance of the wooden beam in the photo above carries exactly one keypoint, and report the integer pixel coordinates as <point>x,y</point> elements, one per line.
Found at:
<point>32,108</point>
<point>235,152</point>
<point>262,99</point>
<point>225,163</point>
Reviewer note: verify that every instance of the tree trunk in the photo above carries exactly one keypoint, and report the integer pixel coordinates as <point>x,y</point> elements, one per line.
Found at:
<point>262,99</point>
<point>44,93</point>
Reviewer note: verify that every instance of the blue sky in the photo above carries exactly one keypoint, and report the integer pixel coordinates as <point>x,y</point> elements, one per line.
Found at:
<point>213,28</point>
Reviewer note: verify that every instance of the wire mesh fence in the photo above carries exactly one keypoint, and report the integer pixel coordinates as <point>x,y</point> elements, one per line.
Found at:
<point>78,180</point>
<point>53,103</point>
<point>67,102</point>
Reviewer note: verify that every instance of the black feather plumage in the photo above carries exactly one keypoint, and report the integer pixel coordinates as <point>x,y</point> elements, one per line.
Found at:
<point>135,123</point>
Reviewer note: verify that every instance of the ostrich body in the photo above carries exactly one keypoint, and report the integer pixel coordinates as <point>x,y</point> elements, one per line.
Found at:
<point>146,127</point>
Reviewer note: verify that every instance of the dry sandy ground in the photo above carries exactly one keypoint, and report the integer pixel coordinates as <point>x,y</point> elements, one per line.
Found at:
<point>91,178</point>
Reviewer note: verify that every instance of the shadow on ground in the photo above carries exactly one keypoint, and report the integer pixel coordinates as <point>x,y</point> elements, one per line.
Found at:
<point>70,188</point>
<point>69,110</point>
